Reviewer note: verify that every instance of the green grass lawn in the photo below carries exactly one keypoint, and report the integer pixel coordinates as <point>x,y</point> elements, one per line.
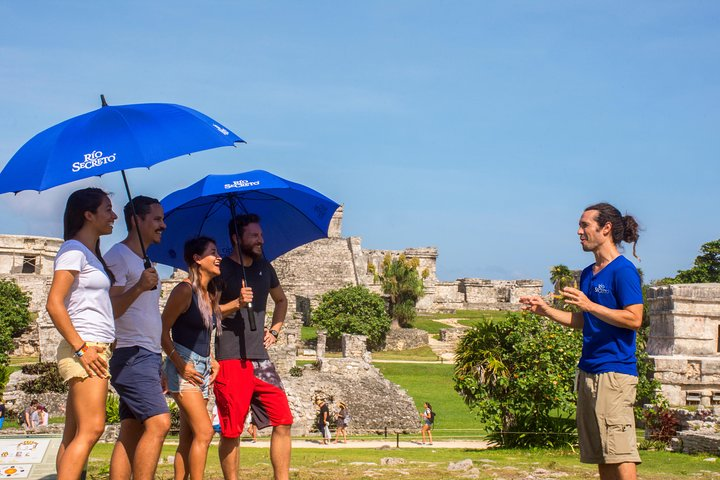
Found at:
<point>14,361</point>
<point>425,463</point>
<point>414,354</point>
<point>433,383</point>
<point>428,324</point>
<point>308,334</point>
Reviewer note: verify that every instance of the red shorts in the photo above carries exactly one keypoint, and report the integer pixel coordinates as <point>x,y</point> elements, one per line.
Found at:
<point>250,384</point>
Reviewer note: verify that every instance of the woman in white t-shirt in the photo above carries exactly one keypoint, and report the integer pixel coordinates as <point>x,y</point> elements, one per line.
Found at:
<point>79,306</point>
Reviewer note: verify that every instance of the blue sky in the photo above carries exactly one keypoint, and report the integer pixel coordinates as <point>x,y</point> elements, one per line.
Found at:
<point>482,128</point>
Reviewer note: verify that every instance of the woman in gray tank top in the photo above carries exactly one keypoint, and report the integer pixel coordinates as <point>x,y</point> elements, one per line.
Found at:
<point>190,368</point>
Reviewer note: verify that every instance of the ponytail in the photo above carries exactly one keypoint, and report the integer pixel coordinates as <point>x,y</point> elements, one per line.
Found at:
<point>624,228</point>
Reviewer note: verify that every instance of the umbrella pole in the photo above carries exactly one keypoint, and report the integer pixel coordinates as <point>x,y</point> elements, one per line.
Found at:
<point>251,313</point>
<point>146,260</point>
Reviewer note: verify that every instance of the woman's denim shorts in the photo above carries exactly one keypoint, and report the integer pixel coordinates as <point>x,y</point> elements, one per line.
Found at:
<point>176,383</point>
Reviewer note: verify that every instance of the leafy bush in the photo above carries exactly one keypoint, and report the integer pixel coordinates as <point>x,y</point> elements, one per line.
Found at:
<point>112,408</point>
<point>5,372</point>
<point>355,310</point>
<point>174,415</point>
<point>296,371</point>
<point>14,316</point>
<point>660,423</point>
<point>39,368</point>
<point>49,380</point>
<point>517,374</point>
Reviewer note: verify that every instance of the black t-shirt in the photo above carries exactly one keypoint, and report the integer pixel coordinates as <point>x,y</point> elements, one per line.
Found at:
<point>324,415</point>
<point>237,340</point>
<point>189,329</point>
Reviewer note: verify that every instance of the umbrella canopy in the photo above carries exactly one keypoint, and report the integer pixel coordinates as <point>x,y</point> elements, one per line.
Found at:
<point>110,139</point>
<point>291,214</point>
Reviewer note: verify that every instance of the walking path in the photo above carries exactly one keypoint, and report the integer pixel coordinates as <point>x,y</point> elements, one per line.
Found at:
<point>390,442</point>
<point>445,350</point>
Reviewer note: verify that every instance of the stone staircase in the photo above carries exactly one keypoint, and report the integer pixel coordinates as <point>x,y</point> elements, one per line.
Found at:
<point>449,337</point>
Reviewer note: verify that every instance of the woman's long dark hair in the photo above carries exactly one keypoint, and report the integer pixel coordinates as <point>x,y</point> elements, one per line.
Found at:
<point>79,202</point>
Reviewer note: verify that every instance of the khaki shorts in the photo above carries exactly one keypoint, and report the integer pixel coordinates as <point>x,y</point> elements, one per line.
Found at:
<point>605,418</point>
<point>69,365</point>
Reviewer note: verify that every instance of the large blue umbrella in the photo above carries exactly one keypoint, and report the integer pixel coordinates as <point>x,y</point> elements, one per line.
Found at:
<point>111,139</point>
<point>291,214</point>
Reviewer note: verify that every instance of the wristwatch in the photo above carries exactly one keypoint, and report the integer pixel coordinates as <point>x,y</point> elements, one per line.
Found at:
<point>274,333</point>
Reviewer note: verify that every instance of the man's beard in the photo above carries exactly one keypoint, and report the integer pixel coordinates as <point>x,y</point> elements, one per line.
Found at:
<point>249,252</point>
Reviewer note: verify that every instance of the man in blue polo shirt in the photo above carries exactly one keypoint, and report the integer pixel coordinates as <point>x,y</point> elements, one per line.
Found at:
<point>610,300</point>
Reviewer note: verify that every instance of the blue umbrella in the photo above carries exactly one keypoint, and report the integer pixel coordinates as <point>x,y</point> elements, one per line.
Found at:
<point>291,214</point>
<point>111,139</point>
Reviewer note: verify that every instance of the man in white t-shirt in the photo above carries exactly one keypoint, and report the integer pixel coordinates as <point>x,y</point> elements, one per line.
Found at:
<point>135,366</point>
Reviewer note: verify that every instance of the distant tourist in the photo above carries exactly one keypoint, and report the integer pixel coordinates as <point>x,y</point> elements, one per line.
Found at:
<point>428,419</point>
<point>27,421</point>
<point>80,308</point>
<point>39,417</point>
<point>248,379</point>
<point>342,420</point>
<point>2,413</point>
<point>323,421</point>
<point>190,315</point>
<point>611,310</point>
<point>136,361</point>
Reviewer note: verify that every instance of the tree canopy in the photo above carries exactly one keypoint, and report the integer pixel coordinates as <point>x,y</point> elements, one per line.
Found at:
<point>353,309</point>
<point>705,269</point>
<point>403,284</point>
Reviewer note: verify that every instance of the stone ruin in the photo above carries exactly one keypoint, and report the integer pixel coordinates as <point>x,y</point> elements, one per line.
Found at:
<point>310,270</point>
<point>375,404</point>
<point>684,342</point>
<point>684,345</point>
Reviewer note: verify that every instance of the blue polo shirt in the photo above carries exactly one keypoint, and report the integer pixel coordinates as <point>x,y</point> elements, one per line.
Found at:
<point>607,348</point>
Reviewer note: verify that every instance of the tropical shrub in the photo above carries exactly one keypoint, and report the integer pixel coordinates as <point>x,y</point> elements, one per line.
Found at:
<point>112,408</point>
<point>517,375</point>
<point>660,423</point>
<point>14,316</point>
<point>355,310</point>
<point>48,381</point>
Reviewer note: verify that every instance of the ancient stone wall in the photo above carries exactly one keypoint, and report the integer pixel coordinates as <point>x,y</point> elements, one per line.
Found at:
<point>405,338</point>
<point>374,403</point>
<point>683,342</point>
<point>20,254</point>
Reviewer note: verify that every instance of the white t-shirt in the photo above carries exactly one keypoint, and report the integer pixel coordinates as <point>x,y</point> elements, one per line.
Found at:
<point>88,302</point>
<point>141,324</point>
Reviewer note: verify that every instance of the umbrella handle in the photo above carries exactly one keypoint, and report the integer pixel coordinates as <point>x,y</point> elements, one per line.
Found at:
<point>251,317</point>
<point>148,264</point>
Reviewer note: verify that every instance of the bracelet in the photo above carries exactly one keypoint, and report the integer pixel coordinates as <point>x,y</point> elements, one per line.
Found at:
<point>170,354</point>
<point>81,351</point>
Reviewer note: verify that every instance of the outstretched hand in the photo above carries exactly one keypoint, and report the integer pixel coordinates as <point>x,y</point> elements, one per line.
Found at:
<point>576,297</point>
<point>534,304</point>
